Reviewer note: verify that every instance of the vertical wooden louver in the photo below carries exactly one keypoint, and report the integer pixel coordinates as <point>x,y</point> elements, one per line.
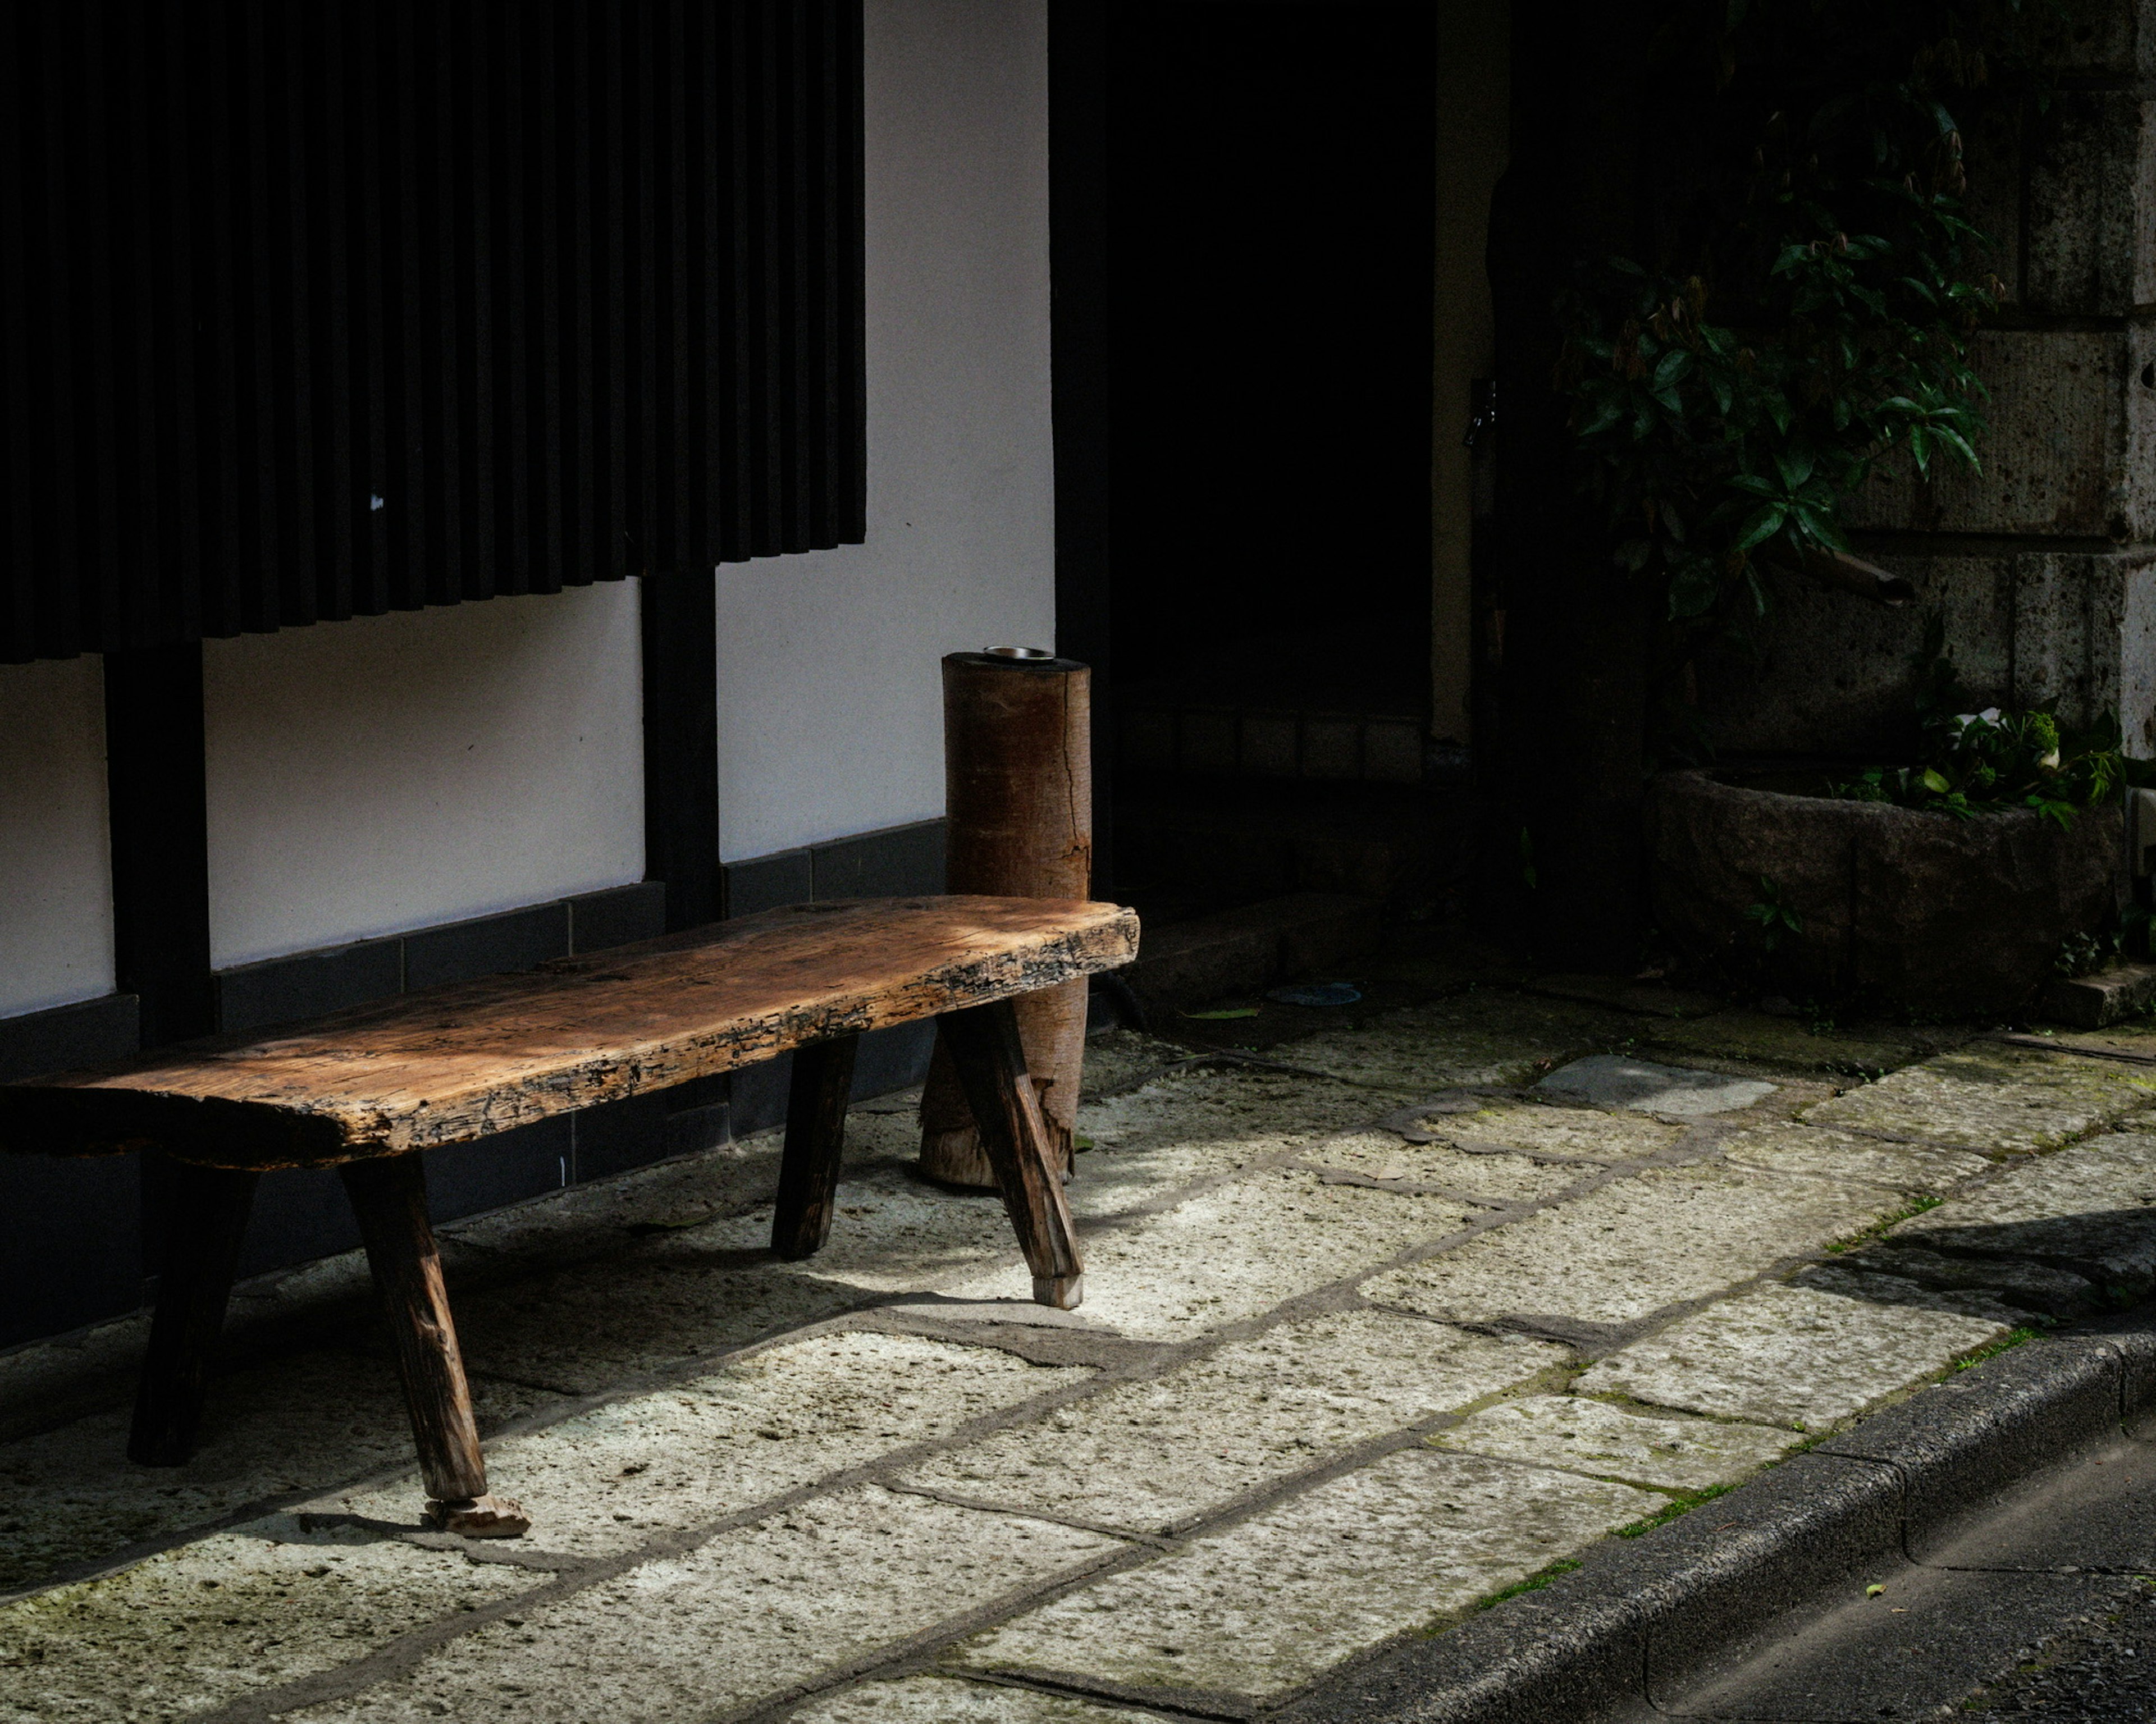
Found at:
<point>315,309</point>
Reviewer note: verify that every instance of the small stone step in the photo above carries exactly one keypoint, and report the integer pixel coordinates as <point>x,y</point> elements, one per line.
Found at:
<point>1242,950</point>
<point>2091,1002</point>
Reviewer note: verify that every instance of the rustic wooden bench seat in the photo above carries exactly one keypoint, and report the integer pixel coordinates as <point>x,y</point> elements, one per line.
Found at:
<point>364,1089</point>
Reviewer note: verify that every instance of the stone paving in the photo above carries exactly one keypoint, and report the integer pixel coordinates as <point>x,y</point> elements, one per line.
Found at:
<point>1391,1311</point>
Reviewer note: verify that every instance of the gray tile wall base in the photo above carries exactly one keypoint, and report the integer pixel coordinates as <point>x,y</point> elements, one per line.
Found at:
<point>70,1242</point>
<point>83,1034</point>
<point>70,1231</point>
<point>486,946</point>
<point>467,1178</point>
<point>1643,1613</point>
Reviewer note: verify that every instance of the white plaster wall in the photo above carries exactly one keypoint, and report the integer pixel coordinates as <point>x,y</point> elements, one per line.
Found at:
<point>830,716</point>
<point>391,773</point>
<point>55,863</point>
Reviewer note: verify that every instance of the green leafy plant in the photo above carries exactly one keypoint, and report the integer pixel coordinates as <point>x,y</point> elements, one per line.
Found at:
<point>1994,760</point>
<point>1809,309</point>
<point>1771,916</point>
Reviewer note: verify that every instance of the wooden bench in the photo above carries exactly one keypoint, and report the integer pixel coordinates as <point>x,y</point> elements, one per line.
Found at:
<point>363,1090</point>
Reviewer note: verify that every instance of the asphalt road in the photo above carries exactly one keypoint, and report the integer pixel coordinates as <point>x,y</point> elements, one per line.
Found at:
<point>2102,1674</point>
<point>2041,1606</point>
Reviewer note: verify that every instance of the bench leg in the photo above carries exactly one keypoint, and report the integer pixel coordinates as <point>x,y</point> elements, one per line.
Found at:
<point>990,1059</point>
<point>389,1196</point>
<point>815,1134</point>
<point>208,1221</point>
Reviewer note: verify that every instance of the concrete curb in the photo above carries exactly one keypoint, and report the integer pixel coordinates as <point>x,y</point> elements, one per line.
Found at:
<point>1642,1614</point>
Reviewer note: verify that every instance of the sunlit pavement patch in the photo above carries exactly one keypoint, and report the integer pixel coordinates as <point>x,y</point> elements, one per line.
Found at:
<point>1994,1097</point>
<point>1789,1355</point>
<point>1591,1436</point>
<point>1151,1454</point>
<point>1627,1250</point>
<point>1267,1604</point>
<point>1295,1415</point>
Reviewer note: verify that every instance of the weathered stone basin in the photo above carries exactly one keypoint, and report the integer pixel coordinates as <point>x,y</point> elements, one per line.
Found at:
<point>1919,910</point>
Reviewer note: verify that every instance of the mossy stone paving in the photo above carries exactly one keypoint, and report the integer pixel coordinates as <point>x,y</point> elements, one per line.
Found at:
<point>1366,1345</point>
<point>1993,1097</point>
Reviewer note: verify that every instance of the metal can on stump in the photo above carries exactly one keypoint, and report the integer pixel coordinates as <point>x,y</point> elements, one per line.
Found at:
<point>1019,808</point>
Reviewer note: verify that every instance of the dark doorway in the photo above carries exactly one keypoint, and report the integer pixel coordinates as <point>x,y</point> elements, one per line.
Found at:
<point>1270,184</point>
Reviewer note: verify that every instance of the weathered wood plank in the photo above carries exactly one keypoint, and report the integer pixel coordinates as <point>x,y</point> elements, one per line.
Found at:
<point>455,1062</point>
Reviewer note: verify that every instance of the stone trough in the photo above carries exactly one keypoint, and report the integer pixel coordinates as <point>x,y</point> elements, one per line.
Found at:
<point>1941,915</point>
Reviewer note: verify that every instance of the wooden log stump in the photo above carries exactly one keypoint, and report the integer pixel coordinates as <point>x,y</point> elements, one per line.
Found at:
<point>1019,806</point>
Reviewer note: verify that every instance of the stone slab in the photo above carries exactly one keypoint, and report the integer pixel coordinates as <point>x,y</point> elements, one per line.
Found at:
<point>1485,1037</point>
<point>1153,1455</point>
<point>1234,1250</point>
<point>1201,1122</point>
<point>1678,1092</point>
<point>193,1628</point>
<point>1622,1253</point>
<point>1788,1043</point>
<point>2092,1001</point>
<point>1265,1605</point>
<point>750,1613</point>
<point>1870,1280</point>
<point>2091,191</point>
<point>1649,999</point>
<point>2032,1286</point>
<point>2136,1040</point>
<point>1994,1096</point>
<point>1117,1060</point>
<point>1789,1355</point>
<point>1540,1128</point>
<point>949,1699</point>
<point>614,1478</point>
<point>2065,452</point>
<point>676,1299</point>
<point>601,1215</point>
<point>1829,1154</point>
<point>1588,1436</point>
<point>2087,1208</point>
<point>1494,1178</point>
<point>304,1423</point>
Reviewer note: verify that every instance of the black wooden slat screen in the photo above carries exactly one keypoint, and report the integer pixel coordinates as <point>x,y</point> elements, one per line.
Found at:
<point>313,309</point>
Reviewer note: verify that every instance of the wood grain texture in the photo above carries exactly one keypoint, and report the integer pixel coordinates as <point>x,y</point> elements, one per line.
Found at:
<point>389,1197</point>
<point>455,1062</point>
<point>989,1058</point>
<point>1018,778</point>
<point>821,1086</point>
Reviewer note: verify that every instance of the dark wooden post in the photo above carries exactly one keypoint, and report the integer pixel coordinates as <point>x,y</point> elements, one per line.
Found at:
<point>389,1197</point>
<point>1019,800</point>
<point>815,1138</point>
<point>206,1221</point>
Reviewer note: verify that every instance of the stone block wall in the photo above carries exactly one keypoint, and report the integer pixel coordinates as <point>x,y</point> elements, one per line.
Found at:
<point>2043,565</point>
